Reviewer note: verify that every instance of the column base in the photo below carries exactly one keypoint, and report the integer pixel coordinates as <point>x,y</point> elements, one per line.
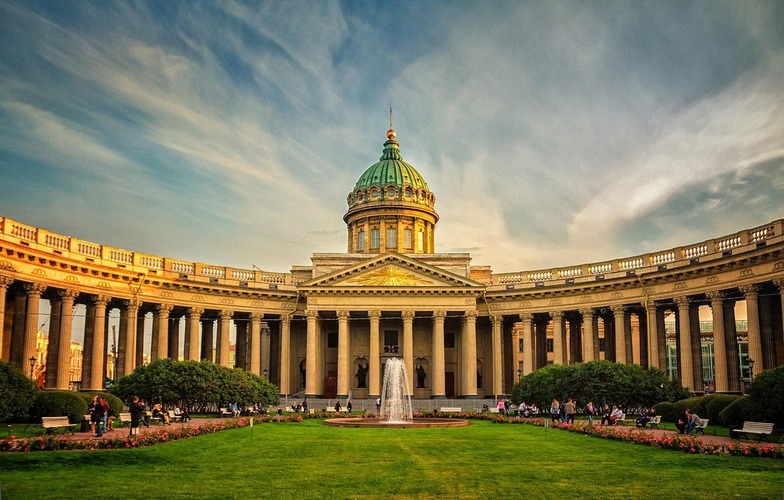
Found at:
<point>373,396</point>
<point>439,396</point>
<point>468,396</point>
<point>341,396</point>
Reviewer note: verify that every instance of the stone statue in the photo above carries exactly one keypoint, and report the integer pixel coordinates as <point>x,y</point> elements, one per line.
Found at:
<point>421,376</point>
<point>362,376</point>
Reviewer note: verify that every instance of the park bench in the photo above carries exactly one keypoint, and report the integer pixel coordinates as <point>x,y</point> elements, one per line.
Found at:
<point>173,417</point>
<point>225,412</point>
<point>620,421</point>
<point>654,422</point>
<point>758,428</point>
<point>700,429</point>
<point>450,409</point>
<point>51,424</point>
<point>125,418</point>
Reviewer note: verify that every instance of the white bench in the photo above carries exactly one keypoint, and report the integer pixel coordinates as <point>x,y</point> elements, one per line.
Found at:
<point>125,418</point>
<point>173,417</point>
<point>620,421</point>
<point>758,428</point>
<point>450,409</point>
<point>654,422</point>
<point>225,412</point>
<point>51,424</point>
<point>700,429</point>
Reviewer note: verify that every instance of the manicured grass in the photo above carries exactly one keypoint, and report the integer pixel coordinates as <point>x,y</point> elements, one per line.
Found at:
<point>308,460</point>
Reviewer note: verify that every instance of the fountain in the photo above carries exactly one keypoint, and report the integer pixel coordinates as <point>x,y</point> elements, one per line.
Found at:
<point>396,408</point>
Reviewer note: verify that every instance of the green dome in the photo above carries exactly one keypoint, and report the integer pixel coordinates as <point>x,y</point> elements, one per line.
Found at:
<point>391,169</point>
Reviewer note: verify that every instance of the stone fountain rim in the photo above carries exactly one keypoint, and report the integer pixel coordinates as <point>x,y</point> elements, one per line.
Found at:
<point>417,423</point>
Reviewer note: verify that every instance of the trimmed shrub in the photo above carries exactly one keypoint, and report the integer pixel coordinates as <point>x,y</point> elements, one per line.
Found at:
<point>666,410</point>
<point>16,393</point>
<point>58,404</point>
<point>717,403</point>
<point>695,404</point>
<point>767,395</point>
<point>736,412</point>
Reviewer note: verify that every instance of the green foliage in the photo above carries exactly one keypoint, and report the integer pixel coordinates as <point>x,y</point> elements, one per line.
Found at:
<point>603,382</point>
<point>766,395</point>
<point>58,404</point>
<point>666,410</point>
<point>717,403</point>
<point>115,403</point>
<point>16,393</point>
<point>195,384</point>
<point>736,412</point>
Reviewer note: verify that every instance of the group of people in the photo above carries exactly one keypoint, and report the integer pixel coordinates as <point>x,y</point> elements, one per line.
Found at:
<point>527,410</point>
<point>689,422</point>
<point>563,411</point>
<point>101,416</point>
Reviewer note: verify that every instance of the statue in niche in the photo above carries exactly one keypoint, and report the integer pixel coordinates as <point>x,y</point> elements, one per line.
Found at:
<point>362,376</point>
<point>302,373</point>
<point>421,376</point>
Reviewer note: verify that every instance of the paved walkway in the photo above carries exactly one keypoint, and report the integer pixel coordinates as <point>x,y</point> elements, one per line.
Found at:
<point>125,430</point>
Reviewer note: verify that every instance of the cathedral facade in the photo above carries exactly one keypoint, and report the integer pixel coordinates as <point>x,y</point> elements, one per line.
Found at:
<point>710,313</point>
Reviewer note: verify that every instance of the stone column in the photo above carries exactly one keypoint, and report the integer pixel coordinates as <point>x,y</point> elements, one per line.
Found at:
<point>63,345</point>
<point>684,344</point>
<point>439,368</point>
<point>498,360</point>
<point>29,350</point>
<point>344,368</point>
<point>160,332</point>
<point>5,282</point>
<point>408,348</point>
<point>174,338</point>
<point>311,381</point>
<point>255,344</point>
<point>207,339</point>
<point>241,345</point>
<point>191,351</point>
<point>620,334</point>
<point>266,348</point>
<point>97,374</point>
<point>528,344</point>
<point>589,335</point>
<point>558,335</point>
<point>653,337</point>
<point>755,337</point>
<point>16,344</point>
<point>285,354</point>
<point>778,282</point>
<point>721,382</point>
<point>469,347</point>
<point>731,338</point>
<point>223,337</point>
<point>139,361</point>
<point>52,357</point>
<point>126,344</point>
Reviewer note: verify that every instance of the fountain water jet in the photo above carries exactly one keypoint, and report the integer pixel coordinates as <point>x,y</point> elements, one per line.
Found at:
<point>396,407</point>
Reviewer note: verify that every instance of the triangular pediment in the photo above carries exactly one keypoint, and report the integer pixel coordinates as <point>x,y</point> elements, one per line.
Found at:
<point>391,271</point>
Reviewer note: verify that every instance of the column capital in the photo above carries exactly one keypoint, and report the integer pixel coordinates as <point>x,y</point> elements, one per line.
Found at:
<point>34,288</point>
<point>749,291</point>
<point>100,299</point>
<point>682,301</point>
<point>651,307</point>
<point>67,293</point>
<point>779,282</point>
<point>226,314</point>
<point>5,281</point>
<point>257,316</point>
<point>343,315</point>
<point>374,314</point>
<point>471,313</point>
<point>526,316</point>
<point>196,311</point>
<point>408,315</point>
<point>497,318</point>
<point>557,314</point>
<point>439,313</point>
<point>164,309</point>
<point>618,309</point>
<point>312,313</point>
<point>715,296</point>
<point>586,312</point>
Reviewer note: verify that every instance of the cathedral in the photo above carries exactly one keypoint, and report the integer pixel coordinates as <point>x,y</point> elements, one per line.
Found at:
<point>709,312</point>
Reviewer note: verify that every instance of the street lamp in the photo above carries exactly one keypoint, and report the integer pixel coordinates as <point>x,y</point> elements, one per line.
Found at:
<point>265,372</point>
<point>751,370</point>
<point>32,365</point>
<point>519,374</point>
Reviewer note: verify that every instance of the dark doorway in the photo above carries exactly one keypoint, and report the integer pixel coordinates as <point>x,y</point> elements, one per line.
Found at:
<point>331,385</point>
<point>449,385</point>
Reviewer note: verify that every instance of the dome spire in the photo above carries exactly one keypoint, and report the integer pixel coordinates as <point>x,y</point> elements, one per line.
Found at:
<point>391,134</point>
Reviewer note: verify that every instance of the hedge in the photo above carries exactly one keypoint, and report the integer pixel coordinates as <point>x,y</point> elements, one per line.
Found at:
<point>115,403</point>
<point>58,404</point>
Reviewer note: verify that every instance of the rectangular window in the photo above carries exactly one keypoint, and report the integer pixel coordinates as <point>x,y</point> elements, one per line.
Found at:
<point>391,237</point>
<point>361,241</point>
<point>601,344</point>
<point>332,339</point>
<point>390,341</point>
<point>672,360</point>
<point>519,345</point>
<point>549,345</point>
<point>408,239</point>
<point>421,241</point>
<point>449,340</point>
<point>375,239</point>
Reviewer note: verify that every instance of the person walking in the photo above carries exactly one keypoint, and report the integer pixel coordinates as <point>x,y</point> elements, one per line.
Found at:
<point>137,411</point>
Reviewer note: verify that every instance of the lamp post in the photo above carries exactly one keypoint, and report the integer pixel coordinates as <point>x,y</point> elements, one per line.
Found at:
<point>32,365</point>
<point>519,374</point>
<point>264,372</point>
<point>751,370</point>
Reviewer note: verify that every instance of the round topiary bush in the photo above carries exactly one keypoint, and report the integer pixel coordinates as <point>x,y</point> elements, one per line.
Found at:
<point>767,394</point>
<point>695,404</point>
<point>115,403</point>
<point>58,404</point>
<point>717,403</point>
<point>666,410</point>
<point>736,412</point>
<point>16,393</point>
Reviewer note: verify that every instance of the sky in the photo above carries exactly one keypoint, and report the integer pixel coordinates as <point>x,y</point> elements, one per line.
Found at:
<point>552,133</point>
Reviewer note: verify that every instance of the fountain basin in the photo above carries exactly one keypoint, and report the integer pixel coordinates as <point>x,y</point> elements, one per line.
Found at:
<point>417,423</point>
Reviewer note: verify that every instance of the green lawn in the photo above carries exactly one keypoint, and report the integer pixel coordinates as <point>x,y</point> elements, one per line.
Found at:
<point>308,460</point>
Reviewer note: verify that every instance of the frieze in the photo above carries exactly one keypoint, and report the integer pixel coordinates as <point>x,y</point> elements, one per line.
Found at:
<point>679,286</point>
<point>712,280</point>
<point>585,299</point>
<point>4,264</point>
<point>104,284</point>
<point>469,302</point>
<point>72,279</point>
<point>197,298</point>
<point>525,303</point>
<point>227,300</point>
<point>779,266</point>
<point>167,294</point>
<point>39,272</point>
<point>616,295</point>
<point>257,303</point>
<point>287,305</point>
<point>495,307</point>
<point>746,273</point>
<point>555,302</point>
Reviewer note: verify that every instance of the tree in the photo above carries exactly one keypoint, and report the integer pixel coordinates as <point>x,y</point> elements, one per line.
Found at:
<point>16,393</point>
<point>629,386</point>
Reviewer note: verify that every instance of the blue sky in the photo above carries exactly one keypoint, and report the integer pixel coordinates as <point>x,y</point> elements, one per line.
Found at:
<point>552,133</point>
